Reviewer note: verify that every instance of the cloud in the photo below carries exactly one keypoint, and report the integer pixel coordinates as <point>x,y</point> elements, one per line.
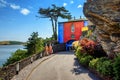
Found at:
<point>25,11</point>
<point>80,6</point>
<point>64,4</point>
<point>71,2</point>
<point>13,6</point>
<point>3,3</point>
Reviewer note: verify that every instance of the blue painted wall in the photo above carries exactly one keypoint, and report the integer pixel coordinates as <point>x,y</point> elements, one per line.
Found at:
<point>85,23</point>
<point>60,32</point>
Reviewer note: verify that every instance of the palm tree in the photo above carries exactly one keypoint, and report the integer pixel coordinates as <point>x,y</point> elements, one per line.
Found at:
<point>54,13</point>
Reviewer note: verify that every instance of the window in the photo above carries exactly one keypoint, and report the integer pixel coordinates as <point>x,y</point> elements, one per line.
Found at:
<point>72,36</point>
<point>72,28</point>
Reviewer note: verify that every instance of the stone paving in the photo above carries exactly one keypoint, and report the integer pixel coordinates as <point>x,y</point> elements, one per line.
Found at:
<point>26,71</point>
<point>60,66</point>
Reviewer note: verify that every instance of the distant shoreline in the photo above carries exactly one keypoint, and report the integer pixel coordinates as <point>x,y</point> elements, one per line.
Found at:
<point>12,43</point>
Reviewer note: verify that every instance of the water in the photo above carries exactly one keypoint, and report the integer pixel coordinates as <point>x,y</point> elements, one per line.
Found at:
<point>6,51</point>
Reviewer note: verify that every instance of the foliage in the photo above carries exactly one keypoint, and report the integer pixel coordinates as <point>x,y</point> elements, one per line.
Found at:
<point>92,48</point>
<point>79,53</point>
<point>78,50</point>
<point>88,45</point>
<point>117,54</point>
<point>83,57</point>
<point>85,53</point>
<point>100,63</point>
<point>53,13</point>
<point>48,40</point>
<point>18,55</point>
<point>104,66</point>
<point>116,68</point>
<point>107,68</point>
<point>75,44</point>
<point>34,44</point>
<point>86,59</point>
<point>16,42</point>
<point>89,33</point>
<point>93,63</point>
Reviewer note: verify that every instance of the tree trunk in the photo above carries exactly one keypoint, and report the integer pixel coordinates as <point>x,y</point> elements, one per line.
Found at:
<point>56,28</point>
<point>53,26</point>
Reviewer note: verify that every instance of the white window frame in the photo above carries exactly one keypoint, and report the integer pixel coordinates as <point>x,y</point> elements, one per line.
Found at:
<point>72,28</point>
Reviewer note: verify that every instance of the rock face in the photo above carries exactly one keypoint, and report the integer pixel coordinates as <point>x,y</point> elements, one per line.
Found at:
<point>105,14</point>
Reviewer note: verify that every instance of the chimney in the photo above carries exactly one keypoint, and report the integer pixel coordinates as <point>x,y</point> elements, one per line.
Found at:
<point>74,17</point>
<point>80,17</point>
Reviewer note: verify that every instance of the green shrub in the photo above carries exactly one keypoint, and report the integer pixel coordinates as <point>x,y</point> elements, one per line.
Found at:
<point>107,68</point>
<point>86,59</point>
<point>93,63</point>
<point>83,57</point>
<point>78,52</point>
<point>100,63</point>
<point>18,55</point>
<point>116,68</point>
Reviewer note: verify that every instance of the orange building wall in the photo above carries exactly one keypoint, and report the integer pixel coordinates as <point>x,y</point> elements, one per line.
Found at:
<point>67,30</point>
<point>78,28</point>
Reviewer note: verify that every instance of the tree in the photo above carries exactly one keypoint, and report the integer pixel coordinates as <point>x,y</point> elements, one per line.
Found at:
<point>34,44</point>
<point>54,13</point>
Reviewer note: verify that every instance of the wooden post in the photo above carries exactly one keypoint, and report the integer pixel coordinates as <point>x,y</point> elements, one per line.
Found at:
<point>17,68</point>
<point>31,59</point>
<point>41,55</point>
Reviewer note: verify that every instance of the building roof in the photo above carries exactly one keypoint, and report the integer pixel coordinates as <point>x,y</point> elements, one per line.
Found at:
<point>75,20</point>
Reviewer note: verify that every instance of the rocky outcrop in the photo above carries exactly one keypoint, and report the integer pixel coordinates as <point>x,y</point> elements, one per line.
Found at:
<point>105,14</point>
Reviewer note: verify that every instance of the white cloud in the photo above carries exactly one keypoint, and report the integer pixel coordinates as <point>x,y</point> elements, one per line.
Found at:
<point>13,6</point>
<point>71,2</point>
<point>64,4</point>
<point>3,3</point>
<point>25,11</point>
<point>80,6</point>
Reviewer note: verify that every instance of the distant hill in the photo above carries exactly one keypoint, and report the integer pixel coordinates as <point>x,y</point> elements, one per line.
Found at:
<point>11,43</point>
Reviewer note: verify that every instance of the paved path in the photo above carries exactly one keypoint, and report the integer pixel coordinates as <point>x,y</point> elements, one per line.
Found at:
<point>61,66</point>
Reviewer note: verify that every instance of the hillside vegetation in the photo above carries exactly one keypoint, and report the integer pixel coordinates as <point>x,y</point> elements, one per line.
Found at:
<point>11,43</point>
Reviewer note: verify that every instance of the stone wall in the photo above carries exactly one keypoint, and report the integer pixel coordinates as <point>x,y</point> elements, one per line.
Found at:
<point>7,72</point>
<point>59,47</point>
<point>105,14</point>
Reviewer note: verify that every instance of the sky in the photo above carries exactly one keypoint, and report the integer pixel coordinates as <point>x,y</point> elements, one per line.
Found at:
<point>18,17</point>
